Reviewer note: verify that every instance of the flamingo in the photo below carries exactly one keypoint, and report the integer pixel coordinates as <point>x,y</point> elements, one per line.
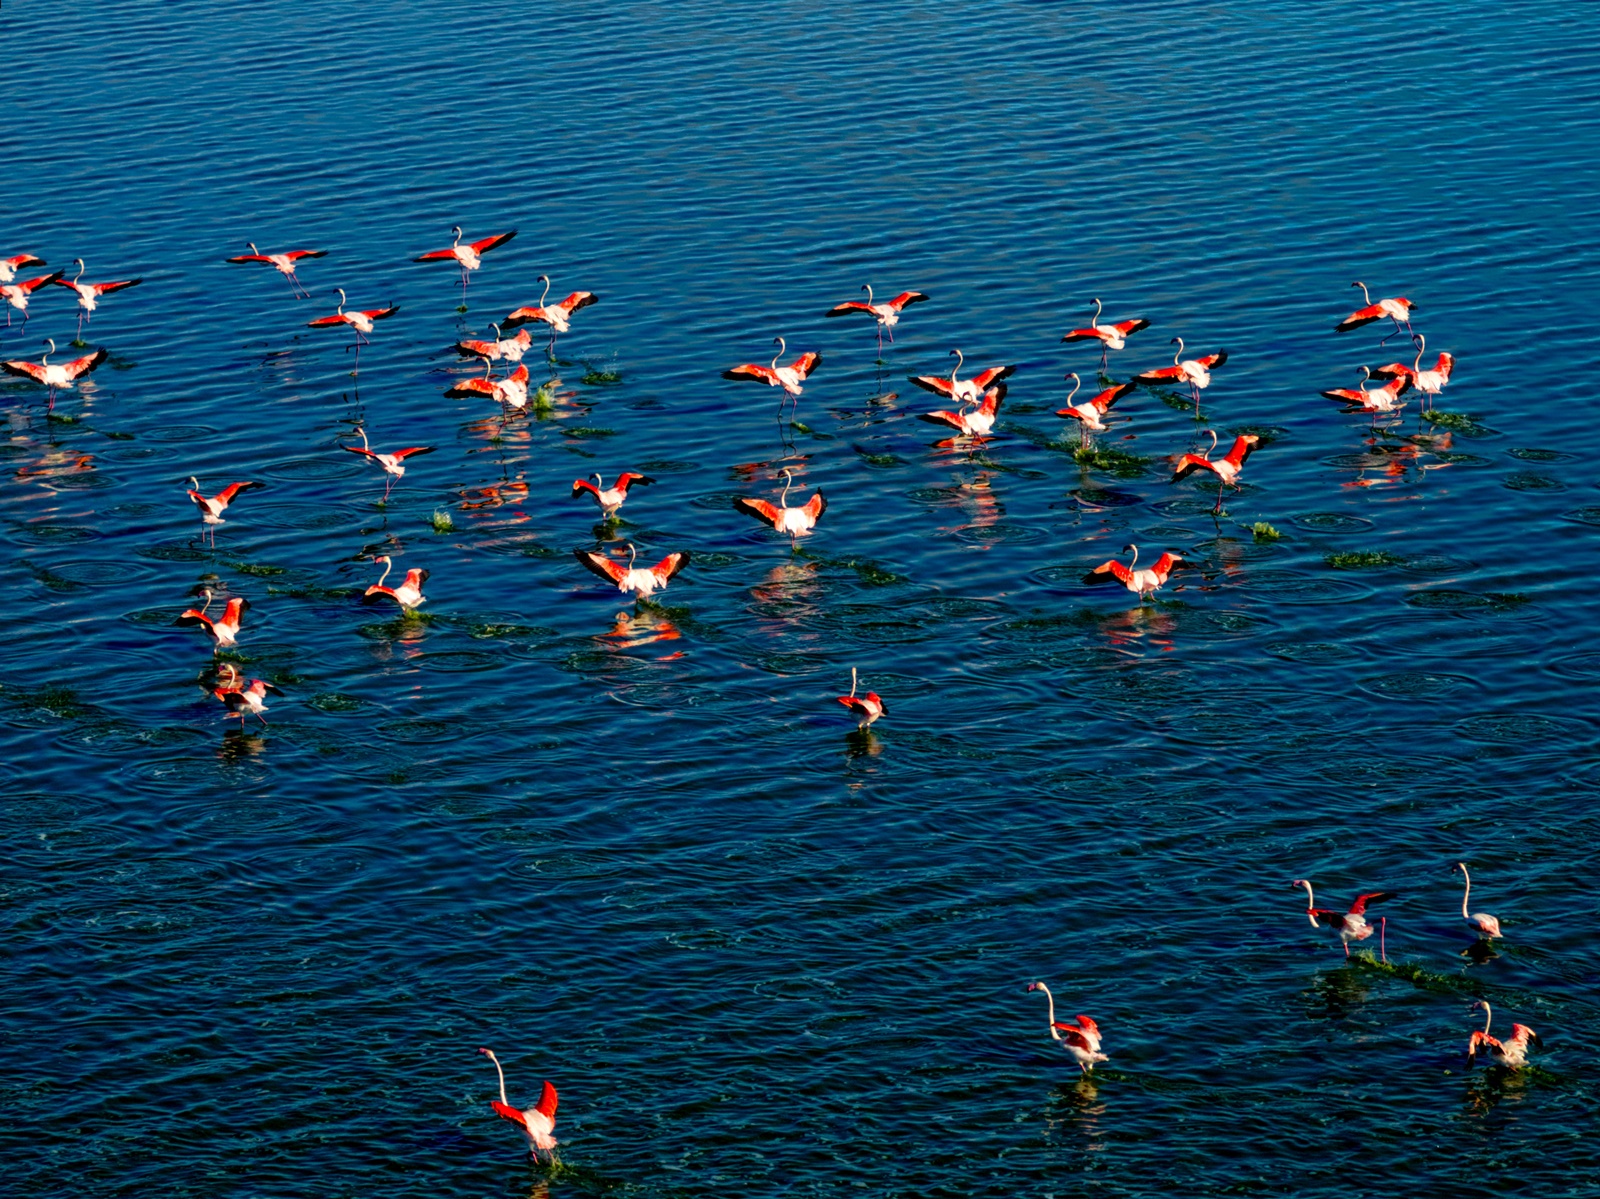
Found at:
<point>1142,583</point>
<point>538,1123</point>
<point>467,257</point>
<point>10,266</point>
<point>283,264</point>
<point>360,321</point>
<point>1090,412</point>
<point>241,698</point>
<point>1397,309</point>
<point>791,378</point>
<point>63,374</point>
<point>1511,1053</point>
<point>1226,468</point>
<point>784,519</point>
<point>976,422</point>
<point>89,293</point>
<point>408,595</point>
<point>16,294</point>
<point>1484,925</point>
<point>1080,1040</point>
<point>557,316</point>
<point>393,464</point>
<point>1382,400</point>
<point>1110,337</point>
<point>510,348</point>
<point>223,630</point>
<point>212,508</point>
<point>1353,924</point>
<point>866,708</point>
<point>511,391</point>
<point>968,390</point>
<point>632,578</point>
<point>886,314</point>
<point>1431,383</point>
<point>1196,372</point>
<point>610,498</point>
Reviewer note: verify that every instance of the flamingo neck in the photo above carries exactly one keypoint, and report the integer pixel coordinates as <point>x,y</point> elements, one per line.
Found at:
<point>387,567</point>
<point>788,482</point>
<point>1488,1016</point>
<point>960,362</point>
<point>869,294</point>
<point>1311,900</point>
<point>1422,348</point>
<point>852,682</point>
<point>1179,352</point>
<point>1076,383</point>
<point>1135,561</point>
<point>1213,433</point>
<point>362,429</point>
<point>1467,893</point>
<point>81,269</point>
<point>501,1074</point>
<point>1097,311</point>
<point>546,294</point>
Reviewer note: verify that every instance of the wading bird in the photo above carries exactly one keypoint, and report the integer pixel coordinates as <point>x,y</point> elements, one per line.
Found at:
<point>1398,309</point>
<point>1226,468</point>
<point>963,390</point>
<point>632,578</point>
<point>975,419</point>
<point>1376,401</point>
<point>609,498</point>
<point>63,374</point>
<point>10,266</point>
<point>510,348</point>
<point>223,630</point>
<point>1142,583</point>
<point>467,257</point>
<point>212,507</point>
<point>1484,925</point>
<point>1080,1041</point>
<point>793,521</point>
<point>1090,413</point>
<point>393,464</point>
<point>509,392</point>
<point>1110,337</point>
<point>16,294</point>
<point>887,314</point>
<point>866,708</point>
<point>241,698</point>
<point>557,316</point>
<point>89,293</point>
<point>1511,1053</point>
<point>1196,372</point>
<point>283,264</point>
<point>538,1123</point>
<point>408,595</point>
<point>360,321</point>
<point>1351,925</point>
<point>1431,382</point>
<point>791,378</point>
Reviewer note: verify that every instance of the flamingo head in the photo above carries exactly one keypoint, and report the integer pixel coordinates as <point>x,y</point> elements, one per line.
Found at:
<point>456,229</point>
<point>488,1053</point>
<point>252,246</point>
<point>544,278</point>
<point>1035,986</point>
<point>194,482</point>
<point>384,558</point>
<point>51,342</point>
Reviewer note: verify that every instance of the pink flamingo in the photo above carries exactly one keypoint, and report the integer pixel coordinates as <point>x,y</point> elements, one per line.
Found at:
<point>467,257</point>
<point>1397,309</point>
<point>360,321</point>
<point>1383,400</point>
<point>223,630</point>
<point>867,708</point>
<point>557,316</point>
<point>963,390</point>
<point>408,595</point>
<point>241,698</point>
<point>1511,1053</point>
<point>1081,1041</point>
<point>89,293</point>
<point>1352,925</point>
<point>794,521</point>
<point>212,507</point>
<point>634,578</point>
<point>971,421</point>
<point>282,263</point>
<point>1110,337</point>
<point>1484,925</point>
<point>393,463</point>
<point>610,498</point>
<point>16,294</point>
<point>1226,468</point>
<point>1142,583</point>
<point>510,348</point>
<point>1090,413</point>
<point>886,314</point>
<point>1196,372</point>
<point>10,266</point>
<point>538,1123</point>
<point>63,374</point>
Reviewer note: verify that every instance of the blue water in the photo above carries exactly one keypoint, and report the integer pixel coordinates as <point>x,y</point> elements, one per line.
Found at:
<point>641,852</point>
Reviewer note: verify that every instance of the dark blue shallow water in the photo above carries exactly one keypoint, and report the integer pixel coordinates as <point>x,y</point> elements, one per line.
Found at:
<point>643,854</point>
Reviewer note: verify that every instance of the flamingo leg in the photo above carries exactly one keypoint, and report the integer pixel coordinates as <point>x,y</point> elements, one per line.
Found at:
<point>1102,355</point>
<point>79,335</point>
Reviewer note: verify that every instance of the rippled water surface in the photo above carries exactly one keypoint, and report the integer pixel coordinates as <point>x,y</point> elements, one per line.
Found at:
<point>641,851</point>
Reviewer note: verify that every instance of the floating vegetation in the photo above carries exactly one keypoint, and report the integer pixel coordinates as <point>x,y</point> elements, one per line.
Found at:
<point>334,701</point>
<point>869,573</point>
<point>53,700</point>
<point>310,591</point>
<point>590,431</point>
<point>443,522</point>
<point>1418,976</point>
<point>50,579</point>
<point>258,570</point>
<point>1458,422</point>
<point>544,399</point>
<point>872,459</point>
<point>1265,532</point>
<point>1112,461</point>
<point>800,426</point>
<point>1362,559</point>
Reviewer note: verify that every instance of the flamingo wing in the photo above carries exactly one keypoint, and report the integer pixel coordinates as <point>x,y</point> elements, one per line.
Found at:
<point>248,258</point>
<point>193,616</point>
<point>1163,375</point>
<point>225,496</point>
<point>1447,363</point>
<point>471,387</point>
<point>18,261</point>
<point>1090,334</point>
<point>338,318</point>
<point>521,316</point>
<point>1359,907</point>
<point>1345,395</point>
<point>1243,446</point>
<point>1126,328</point>
<point>1109,572</point>
<point>297,255</point>
<point>983,379</point>
<point>1073,1035</point>
<point>356,449</point>
<point>1111,395</point>
<point>376,591</point>
<point>28,370</point>
<point>763,511</point>
<point>1188,464</point>
<point>577,300</point>
<point>579,486</point>
<point>506,1112</point>
<point>82,366</point>
<point>437,256</point>
<point>416,577</point>
<point>751,370</point>
<point>378,314</point>
<point>546,1106</point>
<point>907,298</point>
<point>815,507</point>
<point>1334,919</point>
<point>628,478</point>
<point>601,565</point>
<point>474,348</point>
<point>806,363</point>
<point>1212,361</point>
<point>484,245</point>
<point>670,565</point>
<point>411,451</point>
<point>1361,316</point>
<point>32,285</point>
<point>855,704</point>
<point>849,306</point>
<point>953,419</point>
<point>1395,370</point>
<point>938,384</point>
<point>105,289</point>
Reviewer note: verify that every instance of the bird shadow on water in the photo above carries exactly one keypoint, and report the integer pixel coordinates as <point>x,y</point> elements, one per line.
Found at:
<point>862,743</point>
<point>241,745</point>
